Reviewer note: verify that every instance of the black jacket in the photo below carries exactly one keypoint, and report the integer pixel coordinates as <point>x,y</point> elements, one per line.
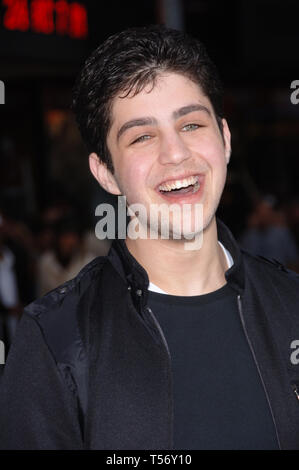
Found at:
<point>89,367</point>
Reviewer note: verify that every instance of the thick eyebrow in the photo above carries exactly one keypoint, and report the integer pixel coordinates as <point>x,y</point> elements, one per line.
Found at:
<point>135,122</point>
<point>145,121</point>
<point>189,109</point>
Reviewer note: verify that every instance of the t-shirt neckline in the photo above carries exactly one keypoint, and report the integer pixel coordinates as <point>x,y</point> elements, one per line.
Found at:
<point>156,289</point>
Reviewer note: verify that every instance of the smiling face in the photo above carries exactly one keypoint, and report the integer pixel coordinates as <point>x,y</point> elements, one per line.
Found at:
<point>164,138</point>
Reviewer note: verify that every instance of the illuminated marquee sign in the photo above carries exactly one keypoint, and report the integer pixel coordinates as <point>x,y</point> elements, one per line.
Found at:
<point>46,17</point>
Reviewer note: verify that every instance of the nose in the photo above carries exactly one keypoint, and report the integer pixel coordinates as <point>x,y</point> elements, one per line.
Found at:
<point>173,149</point>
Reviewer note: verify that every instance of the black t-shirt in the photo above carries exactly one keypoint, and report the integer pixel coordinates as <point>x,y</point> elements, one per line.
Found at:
<point>219,399</point>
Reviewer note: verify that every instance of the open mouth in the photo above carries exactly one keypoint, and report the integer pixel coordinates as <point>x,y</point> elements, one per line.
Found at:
<point>189,185</point>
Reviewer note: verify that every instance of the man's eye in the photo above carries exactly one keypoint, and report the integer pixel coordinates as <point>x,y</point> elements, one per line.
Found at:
<point>191,127</point>
<point>141,138</point>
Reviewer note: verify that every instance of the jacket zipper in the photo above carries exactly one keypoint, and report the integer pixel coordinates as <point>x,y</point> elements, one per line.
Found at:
<point>296,391</point>
<point>169,357</point>
<point>158,327</point>
<point>257,366</point>
<point>160,330</point>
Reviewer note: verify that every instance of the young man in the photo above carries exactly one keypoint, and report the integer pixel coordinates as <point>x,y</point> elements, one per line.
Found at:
<point>158,345</point>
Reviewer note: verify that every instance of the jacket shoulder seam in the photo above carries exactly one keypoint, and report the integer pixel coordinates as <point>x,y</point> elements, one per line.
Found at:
<point>272,263</point>
<point>37,307</point>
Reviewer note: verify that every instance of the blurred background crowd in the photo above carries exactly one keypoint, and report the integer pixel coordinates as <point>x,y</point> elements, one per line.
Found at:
<point>47,194</point>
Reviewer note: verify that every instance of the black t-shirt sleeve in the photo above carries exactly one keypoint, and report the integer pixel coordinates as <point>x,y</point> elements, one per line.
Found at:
<point>37,410</point>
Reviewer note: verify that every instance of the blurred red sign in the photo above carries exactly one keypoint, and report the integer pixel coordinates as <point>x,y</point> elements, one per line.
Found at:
<point>46,17</point>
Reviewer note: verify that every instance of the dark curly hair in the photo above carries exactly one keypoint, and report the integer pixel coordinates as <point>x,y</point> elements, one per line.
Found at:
<point>128,61</point>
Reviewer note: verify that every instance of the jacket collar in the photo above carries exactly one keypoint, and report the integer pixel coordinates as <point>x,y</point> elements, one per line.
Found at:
<point>136,276</point>
<point>235,276</point>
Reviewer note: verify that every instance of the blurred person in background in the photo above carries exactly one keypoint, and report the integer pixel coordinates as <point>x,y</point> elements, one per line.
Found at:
<point>58,207</point>
<point>67,256</point>
<point>15,178</point>
<point>292,214</point>
<point>16,272</point>
<point>267,234</point>
<point>10,308</point>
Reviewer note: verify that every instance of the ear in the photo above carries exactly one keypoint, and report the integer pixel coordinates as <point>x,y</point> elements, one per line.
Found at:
<point>227,140</point>
<point>103,175</point>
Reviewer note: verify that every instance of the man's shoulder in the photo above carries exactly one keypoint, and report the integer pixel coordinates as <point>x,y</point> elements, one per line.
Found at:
<point>68,291</point>
<point>61,317</point>
<point>272,269</point>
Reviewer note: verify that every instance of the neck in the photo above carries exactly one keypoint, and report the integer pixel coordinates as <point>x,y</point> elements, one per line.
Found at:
<point>178,271</point>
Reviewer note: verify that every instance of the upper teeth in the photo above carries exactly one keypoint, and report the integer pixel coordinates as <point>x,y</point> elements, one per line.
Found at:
<point>178,183</point>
